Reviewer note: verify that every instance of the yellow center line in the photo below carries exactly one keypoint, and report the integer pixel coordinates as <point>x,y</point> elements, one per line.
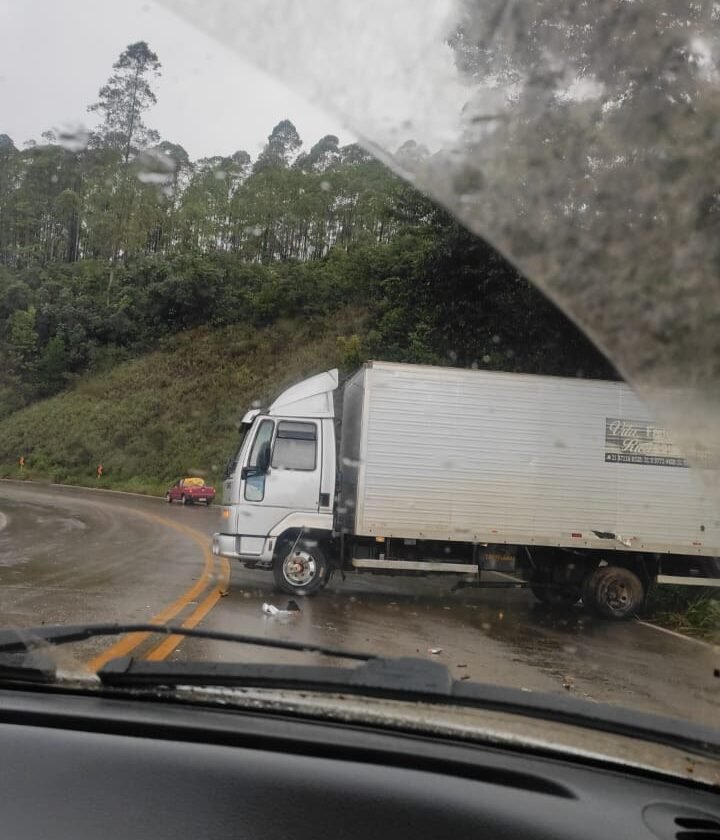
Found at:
<point>165,648</point>
<point>128,643</point>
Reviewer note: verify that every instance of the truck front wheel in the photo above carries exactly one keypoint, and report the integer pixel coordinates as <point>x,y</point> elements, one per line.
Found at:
<point>615,592</point>
<point>300,568</point>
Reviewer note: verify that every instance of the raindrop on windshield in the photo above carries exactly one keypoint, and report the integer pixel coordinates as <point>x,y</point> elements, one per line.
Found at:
<point>73,139</point>
<point>155,167</point>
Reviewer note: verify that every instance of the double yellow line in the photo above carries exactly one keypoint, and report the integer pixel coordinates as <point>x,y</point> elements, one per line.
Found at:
<point>217,579</point>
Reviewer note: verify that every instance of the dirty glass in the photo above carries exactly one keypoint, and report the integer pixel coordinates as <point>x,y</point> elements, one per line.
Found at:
<point>579,137</point>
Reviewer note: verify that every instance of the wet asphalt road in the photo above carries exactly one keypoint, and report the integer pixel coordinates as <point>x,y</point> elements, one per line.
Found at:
<point>70,556</point>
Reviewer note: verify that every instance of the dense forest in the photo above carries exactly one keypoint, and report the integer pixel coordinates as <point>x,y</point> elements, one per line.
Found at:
<point>112,238</point>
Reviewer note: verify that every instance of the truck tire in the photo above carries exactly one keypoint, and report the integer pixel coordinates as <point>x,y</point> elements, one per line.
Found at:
<point>185,500</point>
<point>168,498</point>
<point>300,569</point>
<point>615,592</point>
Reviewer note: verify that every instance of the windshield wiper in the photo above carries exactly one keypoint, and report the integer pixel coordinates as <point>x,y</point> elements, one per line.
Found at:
<point>413,679</point>
<point>19,639</point>
<point>22,657</point>
<point>30,666</point>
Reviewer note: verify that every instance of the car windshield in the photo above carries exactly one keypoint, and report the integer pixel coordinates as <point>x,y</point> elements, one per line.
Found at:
<point>442,276</point>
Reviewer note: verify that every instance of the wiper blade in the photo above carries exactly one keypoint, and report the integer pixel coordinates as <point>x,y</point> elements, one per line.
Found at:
<point>28,667</point>
<point>401,675</point>
<point>416,680</point>
<point>15,640</point>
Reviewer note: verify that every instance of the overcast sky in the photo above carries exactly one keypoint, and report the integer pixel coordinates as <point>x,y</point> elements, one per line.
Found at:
<point>56,54</point>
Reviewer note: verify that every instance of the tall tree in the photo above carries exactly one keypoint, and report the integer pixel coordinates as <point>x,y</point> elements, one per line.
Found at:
<point>324,154</point>
<point>282,145</point>
<point>9,157</point>
<point>124,99</point>
<point>177,170</point>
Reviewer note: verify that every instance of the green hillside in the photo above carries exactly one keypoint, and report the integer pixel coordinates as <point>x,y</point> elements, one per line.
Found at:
<point>171,412</point>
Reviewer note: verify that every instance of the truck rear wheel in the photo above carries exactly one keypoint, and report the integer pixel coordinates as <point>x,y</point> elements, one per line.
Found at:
<point>300,569</point>
<point>615,592</point>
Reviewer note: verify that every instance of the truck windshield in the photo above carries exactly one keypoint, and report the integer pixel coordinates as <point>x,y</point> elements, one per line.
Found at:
<point>255,482</point>
<point>232,462</point>
<point>263,438</point>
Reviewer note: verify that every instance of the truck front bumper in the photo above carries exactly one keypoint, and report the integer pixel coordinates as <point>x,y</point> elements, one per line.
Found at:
<point>256,551</point>
<point>225,545</point>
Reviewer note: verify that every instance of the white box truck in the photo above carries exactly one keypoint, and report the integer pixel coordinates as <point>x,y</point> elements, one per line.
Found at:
<point>568,485</point>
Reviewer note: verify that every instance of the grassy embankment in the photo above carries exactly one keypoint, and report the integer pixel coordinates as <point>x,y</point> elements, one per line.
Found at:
<point>170,413</point>
<point>686,610</point>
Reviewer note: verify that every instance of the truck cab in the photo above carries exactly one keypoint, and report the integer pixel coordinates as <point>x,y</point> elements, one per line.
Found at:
<point>279,488</point>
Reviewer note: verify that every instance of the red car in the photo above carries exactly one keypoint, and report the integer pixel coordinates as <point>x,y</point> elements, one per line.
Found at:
<point>190,490</point>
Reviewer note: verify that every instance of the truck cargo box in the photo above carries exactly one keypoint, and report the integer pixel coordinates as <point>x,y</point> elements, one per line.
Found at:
<point>470,455</point>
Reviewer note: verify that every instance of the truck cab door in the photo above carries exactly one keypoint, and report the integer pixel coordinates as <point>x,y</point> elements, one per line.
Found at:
<point>283,472</point>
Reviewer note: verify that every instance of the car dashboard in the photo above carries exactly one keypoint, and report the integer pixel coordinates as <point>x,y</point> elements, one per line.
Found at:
<point>78,766</point>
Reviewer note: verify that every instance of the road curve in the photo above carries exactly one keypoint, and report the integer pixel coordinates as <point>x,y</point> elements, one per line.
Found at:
<point>71,556</point>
